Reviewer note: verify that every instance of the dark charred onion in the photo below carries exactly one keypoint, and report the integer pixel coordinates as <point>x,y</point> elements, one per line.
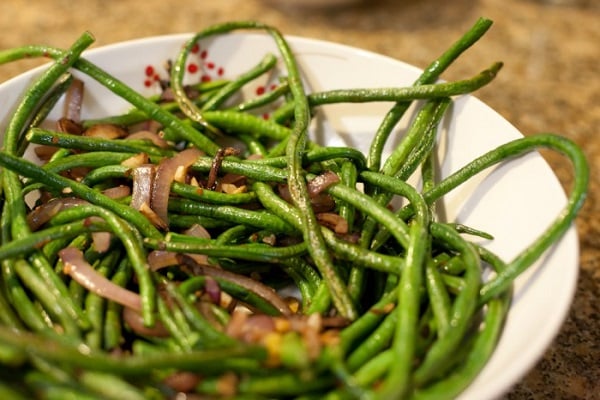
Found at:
<point>216,165</point>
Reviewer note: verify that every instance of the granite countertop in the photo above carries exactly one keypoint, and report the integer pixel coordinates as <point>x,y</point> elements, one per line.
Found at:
<point>550,82</point>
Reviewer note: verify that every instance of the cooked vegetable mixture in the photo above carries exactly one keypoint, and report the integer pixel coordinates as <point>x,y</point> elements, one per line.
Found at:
<point>195,248</point>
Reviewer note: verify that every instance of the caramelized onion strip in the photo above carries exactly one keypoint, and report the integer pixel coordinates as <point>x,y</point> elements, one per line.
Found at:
<point>165,174</point>
<point>76,266</point>
<point>249,284</point>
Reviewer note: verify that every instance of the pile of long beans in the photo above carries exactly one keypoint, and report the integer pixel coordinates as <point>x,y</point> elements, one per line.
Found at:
<point>160,266</point>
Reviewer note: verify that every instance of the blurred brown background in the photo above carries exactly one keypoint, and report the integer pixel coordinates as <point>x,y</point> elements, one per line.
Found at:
<point>550,82</point>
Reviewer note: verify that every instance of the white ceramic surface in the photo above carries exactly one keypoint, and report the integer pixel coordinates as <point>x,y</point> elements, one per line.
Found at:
<point>515,202</point>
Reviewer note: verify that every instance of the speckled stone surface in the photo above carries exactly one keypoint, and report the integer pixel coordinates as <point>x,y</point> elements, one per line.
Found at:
<point>550,82</point>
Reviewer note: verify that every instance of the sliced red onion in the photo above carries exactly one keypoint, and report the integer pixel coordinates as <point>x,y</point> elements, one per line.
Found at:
<point>198,231</point>
<point>232,183</point>
<point>43,213</point>
<point>180,174</point>
<point>158,259</point>
<point>235,326</point>
<point>333,221</point>
<point>352,237</point>
<point>67,125</point>
<point>322,202</point>
<point>182,381</point>
<point>311,335</point>
<point>270,239</point>
<point>229,188</point>
<point>117,192</point>
<point>105,131</point>
<point>165,174</point>
<point>150,136</point>
<point>321,182</point>
<point>82,272</point>
<point>134,320</point>
<point>213,290</point>
<point>249,284</point>
<point>235,179</point>
<point>167,93</point>
<point>255,157</point>
<point>77,173</point>
<point>74,100</point>
<point>257,326</point>
<point>147,125</point>
<point>206,308</point>
<point>135,160</point>
<point>101,241</point>
<point>284,192</point>
<point>152,216</point>
<point>335,322</point>
<point>227,385</point>
<point>44,152</point>
<point>143,178</point>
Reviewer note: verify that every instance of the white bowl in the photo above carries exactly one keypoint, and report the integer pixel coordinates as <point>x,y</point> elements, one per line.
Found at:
<point>313,4</point>
<point>514,202</point>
